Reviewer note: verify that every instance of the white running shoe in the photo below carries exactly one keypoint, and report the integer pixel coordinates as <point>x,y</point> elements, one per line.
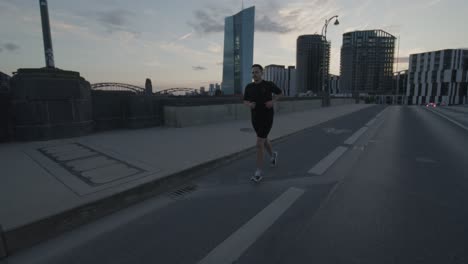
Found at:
<point>258,176</point>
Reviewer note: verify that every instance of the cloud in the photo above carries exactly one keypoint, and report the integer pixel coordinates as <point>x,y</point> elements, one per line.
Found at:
<point>186,36</point>
<point>206,22</point>
<point>364,26</point>
<point>269,17</point>
<point>11,46</point>
<point>64,26</point>
<point>7,6</point>
<point>153,63</point>
<point>393,29</point>
<point>187,53</point>
<point>265,24</point>
<point>198,68</point>
<point>294,17</point>
<point>214,48</point>
<point>117,20</point>
<point>150,12</point>
<point>433,3</point>
<point>1,49</point>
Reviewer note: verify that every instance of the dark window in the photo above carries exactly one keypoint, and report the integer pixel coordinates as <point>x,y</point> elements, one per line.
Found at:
<point>444,89</point>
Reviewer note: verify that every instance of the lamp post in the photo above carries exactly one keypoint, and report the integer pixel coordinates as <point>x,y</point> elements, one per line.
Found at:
<point>48,51</point>
<point>325,74</point>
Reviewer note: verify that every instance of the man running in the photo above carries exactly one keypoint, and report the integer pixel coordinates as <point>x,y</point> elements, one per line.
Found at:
<point>258,97</point>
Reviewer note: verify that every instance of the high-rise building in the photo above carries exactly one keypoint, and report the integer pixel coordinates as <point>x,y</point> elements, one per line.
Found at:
<point>4,82</point>
<point>367,62</point>
<point>284,78</point>
<point>438,77</point>
<point>238,51</point>
<point>400,81</point>
<point>312,63</point>
<point>211,91</point>
<point>334,84</point>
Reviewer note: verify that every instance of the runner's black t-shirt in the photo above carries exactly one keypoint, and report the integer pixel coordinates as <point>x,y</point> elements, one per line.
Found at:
<point>260,93</point>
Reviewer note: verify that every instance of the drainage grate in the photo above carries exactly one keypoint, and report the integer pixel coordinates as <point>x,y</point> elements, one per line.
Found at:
<point>183,191</point>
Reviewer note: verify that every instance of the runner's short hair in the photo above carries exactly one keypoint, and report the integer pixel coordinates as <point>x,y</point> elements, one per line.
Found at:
<point>258,65</point>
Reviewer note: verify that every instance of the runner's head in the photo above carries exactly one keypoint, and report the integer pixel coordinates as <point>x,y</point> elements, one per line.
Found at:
<point>257,72</point>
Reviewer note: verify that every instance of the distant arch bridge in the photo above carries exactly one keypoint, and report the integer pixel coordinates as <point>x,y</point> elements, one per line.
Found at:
<point>137,89</point>
<point>175,91</point>
<point>117,87</point>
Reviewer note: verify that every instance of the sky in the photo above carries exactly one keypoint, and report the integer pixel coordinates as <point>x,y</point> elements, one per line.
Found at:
<point>179,43</point>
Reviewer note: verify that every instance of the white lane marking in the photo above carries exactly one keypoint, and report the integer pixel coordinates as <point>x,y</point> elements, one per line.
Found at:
<point>370,123</point>
<point>235,245</point>
<point>355,136</point>
<point>449,119</point>
<point>326,162</point>
<point>381,113</point>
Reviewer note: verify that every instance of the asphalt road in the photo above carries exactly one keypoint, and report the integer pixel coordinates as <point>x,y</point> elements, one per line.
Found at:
<point>396,193</point>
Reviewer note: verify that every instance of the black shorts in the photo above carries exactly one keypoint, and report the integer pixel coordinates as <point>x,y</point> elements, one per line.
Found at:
<point>262,123</point>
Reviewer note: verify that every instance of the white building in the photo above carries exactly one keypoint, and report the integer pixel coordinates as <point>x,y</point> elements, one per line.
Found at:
<point>439,77</point>
<point>284,78</point>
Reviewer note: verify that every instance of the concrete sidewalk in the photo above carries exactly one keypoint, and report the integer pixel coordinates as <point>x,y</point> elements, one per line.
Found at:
<point>52,186</point>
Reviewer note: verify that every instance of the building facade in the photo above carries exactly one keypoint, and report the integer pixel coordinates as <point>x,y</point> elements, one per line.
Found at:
<point>238,51</point>
<point>284,78</point>
<point>438,77</point>
<point>334,84</point>
<point>211,91</point>
<point>367,62</point>
<point>312,63</point>
<point>4,82</point>
<point>400,82</point>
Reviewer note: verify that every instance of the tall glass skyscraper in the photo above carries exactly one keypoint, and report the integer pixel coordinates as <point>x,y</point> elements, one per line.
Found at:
<point>238,51</point>
<point>313,63</point>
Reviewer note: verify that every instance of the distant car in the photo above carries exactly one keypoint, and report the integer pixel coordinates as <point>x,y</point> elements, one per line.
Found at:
<point>431,105</point>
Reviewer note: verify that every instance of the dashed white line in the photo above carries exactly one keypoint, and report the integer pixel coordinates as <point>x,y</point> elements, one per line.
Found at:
<point>235,245</point>
<point>355,136</point>
<point>325,163</point>
<point>370,123</point>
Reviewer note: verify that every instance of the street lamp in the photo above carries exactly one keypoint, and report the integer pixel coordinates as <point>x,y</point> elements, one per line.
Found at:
<point>327,21</point>
<point>325,74</point>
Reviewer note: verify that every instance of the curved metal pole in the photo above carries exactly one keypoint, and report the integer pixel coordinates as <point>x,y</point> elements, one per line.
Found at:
<point>324,28</point>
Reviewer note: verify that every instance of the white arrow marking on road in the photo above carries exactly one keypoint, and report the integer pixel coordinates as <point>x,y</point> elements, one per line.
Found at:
<point>235,245</point>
